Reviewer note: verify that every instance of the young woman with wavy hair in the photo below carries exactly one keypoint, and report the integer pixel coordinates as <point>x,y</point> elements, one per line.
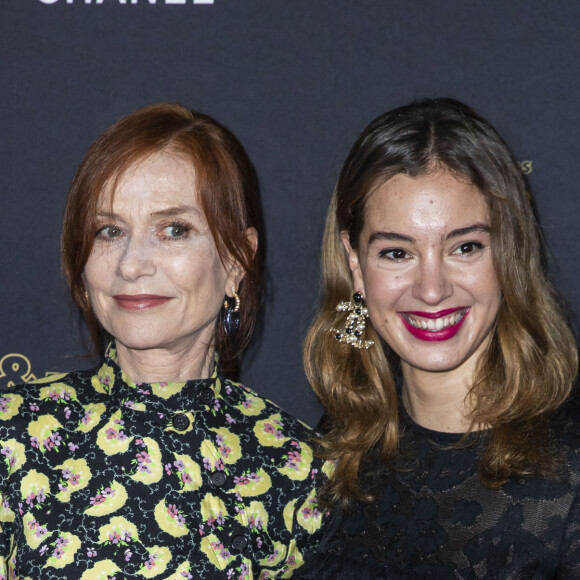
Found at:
<point>444,362</point>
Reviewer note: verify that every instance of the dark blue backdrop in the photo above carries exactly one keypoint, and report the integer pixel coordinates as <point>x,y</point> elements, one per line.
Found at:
<point>296,80</point>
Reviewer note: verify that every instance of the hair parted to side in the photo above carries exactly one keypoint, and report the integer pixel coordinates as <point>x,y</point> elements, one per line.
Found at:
<point>225,182</point>
<point>530,366</point>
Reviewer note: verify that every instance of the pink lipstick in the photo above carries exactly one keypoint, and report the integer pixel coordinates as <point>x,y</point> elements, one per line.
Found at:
<point>140,301</point>
<point>435,326</point>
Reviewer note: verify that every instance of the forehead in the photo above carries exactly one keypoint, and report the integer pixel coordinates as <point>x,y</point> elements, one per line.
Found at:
<point>438,202</point>
<point>158,178</point>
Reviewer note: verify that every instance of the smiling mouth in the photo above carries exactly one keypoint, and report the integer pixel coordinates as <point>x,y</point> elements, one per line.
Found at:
<point>139,301</point>
<point>435,322</point>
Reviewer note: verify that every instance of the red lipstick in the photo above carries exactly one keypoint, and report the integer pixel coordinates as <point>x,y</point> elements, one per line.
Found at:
<point>140,301</point>
<point>439,314</point>
<point>433,335</point>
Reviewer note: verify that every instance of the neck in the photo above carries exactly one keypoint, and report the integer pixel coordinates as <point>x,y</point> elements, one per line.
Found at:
<point>161,365</point>
<point>438,400</point>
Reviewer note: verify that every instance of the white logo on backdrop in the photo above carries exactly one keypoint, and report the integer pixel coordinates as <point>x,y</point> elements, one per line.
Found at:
<point>151,2</point>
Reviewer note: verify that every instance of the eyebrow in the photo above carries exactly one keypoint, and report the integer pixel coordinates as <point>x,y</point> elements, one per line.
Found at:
<point>176,210</point>
<point>169,212</point>
<point>479,228</point>
<point>458,233</point>
<point>390,237</point>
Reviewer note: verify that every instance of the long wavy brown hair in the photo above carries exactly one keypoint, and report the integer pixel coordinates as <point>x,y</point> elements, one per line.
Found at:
<point>530,365</point>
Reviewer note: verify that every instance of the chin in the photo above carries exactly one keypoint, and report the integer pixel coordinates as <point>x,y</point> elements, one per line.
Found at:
<point>436,364</point>
<point>140,341</point>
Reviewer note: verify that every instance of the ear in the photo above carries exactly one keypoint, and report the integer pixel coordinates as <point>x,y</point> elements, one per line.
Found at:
<point>252,236</point>
<point>236,272</point>
<point>353,263</point>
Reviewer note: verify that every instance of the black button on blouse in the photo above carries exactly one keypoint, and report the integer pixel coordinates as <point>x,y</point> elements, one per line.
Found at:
<point>207,396</point>
<point>218,478</point>
<point>180,422</point>
<point>239,543</point>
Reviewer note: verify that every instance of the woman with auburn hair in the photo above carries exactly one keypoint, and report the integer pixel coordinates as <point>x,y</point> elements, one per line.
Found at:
<point>156,464</point>
<point>444,363</point>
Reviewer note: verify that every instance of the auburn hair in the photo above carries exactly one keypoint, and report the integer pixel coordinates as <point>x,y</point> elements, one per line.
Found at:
<point>226,184</point>
<point>529,368</point>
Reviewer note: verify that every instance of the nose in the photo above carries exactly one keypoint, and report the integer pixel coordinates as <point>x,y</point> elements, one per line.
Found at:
<point>137,259</point>
<point>432,284</point>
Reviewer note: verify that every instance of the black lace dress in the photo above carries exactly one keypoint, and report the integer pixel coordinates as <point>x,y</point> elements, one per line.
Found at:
<point>436,520</point>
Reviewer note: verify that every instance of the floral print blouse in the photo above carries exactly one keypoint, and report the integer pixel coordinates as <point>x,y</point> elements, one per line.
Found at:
<point>105,479</point>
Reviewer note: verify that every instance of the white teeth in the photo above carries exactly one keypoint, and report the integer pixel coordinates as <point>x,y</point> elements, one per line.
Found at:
<point>435,324</point>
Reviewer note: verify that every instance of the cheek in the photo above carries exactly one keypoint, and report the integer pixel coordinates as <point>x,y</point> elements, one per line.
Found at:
<point>197,270</point>
<point>496,297</point>
<point>98,267</point>
<point>384,287</point>
<point>485,285</point>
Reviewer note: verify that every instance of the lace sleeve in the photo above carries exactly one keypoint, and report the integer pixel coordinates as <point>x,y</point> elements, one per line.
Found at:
<point>569,561</point>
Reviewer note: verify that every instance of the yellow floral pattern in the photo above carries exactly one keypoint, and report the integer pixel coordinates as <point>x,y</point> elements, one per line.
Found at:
<point>9,405</point>
<point>107,500</point>
<point>103,478</point>
<point>75,475</point>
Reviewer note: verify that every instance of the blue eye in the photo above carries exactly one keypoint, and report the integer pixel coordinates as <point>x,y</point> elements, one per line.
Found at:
<point>109,232</point>
<point>176,230</point>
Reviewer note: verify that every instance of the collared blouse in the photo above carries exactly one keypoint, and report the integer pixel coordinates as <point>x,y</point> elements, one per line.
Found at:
<point>103,478</point>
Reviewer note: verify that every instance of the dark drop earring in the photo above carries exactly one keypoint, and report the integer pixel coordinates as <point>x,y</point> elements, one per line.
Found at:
<point>232,314</point>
